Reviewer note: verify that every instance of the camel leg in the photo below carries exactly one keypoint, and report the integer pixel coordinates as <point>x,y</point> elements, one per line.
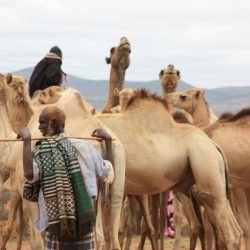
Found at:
<point>99,237</point>
<point>155,203</point>
<point>20,226</point>
<point>123,222</point>
<point>241,203</point>
<point>116,193</point>
<point>209,231</point>
<point>178,217</point>
<point>15,200</point>
<point>131,221</point>
<point>163,216</point>
<point>143,234</point>
<point>143,202</point>
<point>192,219</point>
<point>212,193</point>
<point>36,242</point>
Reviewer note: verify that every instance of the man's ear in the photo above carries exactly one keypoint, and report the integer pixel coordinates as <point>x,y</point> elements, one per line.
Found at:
<point>54,124</point>
<point>116,92</point>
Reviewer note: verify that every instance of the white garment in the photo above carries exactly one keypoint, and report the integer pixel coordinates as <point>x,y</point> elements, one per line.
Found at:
<point>92,166</point>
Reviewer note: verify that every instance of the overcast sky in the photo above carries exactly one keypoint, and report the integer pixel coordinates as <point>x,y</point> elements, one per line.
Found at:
<point>208,41</point>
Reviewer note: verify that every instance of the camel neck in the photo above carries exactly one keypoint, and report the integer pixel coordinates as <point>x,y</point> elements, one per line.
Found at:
<point>6,132</point>
<point>200,114</point>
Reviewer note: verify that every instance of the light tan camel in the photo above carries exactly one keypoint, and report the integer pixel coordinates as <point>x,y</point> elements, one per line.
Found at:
<point>135,125</point>
<point>169,79</point>
<point>194,102</point>
<point>52,95</point>
<point>15,94</point>
<point>12,98</point>
<point>146,175</point>
<point>233,135</point>
<point>119,60</point>
<point>81,123</point>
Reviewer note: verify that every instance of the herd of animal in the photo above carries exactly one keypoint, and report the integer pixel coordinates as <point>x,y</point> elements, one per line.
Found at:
<point>204,160</point>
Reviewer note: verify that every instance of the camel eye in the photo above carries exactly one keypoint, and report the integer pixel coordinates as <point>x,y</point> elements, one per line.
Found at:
<point>183,97</point>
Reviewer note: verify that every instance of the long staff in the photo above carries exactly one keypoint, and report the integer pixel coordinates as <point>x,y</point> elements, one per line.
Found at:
<point>44,138</point>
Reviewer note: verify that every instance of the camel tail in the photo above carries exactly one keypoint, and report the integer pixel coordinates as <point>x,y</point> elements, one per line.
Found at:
<point>229,185</point>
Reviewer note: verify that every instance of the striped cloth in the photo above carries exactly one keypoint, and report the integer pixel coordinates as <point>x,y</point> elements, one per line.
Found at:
<point>70,212</point>
<point>87,243</point>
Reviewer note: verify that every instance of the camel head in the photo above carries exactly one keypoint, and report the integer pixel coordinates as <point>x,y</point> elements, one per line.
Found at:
<point>53,94</point>
<point>14,95</point>
<point>120,59</point>
<point>124,96</point>
<point>169,79</point>
<point>49,95</point>
<point>186,100</point>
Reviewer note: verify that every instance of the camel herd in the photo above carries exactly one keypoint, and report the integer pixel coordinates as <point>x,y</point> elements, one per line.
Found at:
<point>205,163</point>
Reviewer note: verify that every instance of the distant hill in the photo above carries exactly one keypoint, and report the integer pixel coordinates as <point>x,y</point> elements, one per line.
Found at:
<point>221,100</point>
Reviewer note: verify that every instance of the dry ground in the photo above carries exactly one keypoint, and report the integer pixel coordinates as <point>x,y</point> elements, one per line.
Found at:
<point>168,244</point>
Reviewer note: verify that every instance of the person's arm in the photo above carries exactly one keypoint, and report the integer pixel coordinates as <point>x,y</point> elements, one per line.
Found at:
<point>101,135</point>
<point>24,134</point>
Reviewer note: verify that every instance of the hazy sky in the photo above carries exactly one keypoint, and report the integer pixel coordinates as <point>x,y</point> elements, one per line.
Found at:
<point>208,41</point>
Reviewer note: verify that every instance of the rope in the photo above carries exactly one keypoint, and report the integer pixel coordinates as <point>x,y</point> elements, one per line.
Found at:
<point>44,138</point>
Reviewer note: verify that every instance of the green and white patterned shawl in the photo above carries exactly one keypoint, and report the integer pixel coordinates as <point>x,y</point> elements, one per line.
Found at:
<point>68,205</point>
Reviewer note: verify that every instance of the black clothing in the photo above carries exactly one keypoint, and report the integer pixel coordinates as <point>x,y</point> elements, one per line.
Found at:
<point>46,73</point>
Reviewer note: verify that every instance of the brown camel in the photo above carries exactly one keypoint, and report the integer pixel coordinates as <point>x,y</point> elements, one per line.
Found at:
<point>169,79</point>
<point>233,136</point>
<point>119,60</point>
<point>231,133</point>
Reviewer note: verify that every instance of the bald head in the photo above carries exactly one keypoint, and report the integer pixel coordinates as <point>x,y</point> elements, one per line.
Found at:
<point>52,121</point>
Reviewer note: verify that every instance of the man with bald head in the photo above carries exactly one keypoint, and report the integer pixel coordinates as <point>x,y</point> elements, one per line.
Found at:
<point>61,175</point>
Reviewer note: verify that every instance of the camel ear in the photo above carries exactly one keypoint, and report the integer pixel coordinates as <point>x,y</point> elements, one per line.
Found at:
<point>107,59</point>
<point>161,74</point>
<point>9,78</point>
<point>50,92</point>
<point>3,82</point>
<point>198,93</point>
<point>178,74</point>
<point>116,92</point>
<point>112,50</point>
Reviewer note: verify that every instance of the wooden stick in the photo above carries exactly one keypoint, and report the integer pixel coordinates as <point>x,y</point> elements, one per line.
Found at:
<point>44,138</point>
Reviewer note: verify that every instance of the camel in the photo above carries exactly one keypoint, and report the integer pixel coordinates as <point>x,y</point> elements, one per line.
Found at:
<point>12,97</point>
<point>75,124</point>
<point>141,110</point>
<point>233,137</point>
<point>194,102</point>
<point>135,124</point>
<point>119,60</point>
<point>231,133</point>
<point>169,79</point>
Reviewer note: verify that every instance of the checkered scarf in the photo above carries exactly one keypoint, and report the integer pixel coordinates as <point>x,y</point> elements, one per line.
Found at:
<point>68,205</point>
